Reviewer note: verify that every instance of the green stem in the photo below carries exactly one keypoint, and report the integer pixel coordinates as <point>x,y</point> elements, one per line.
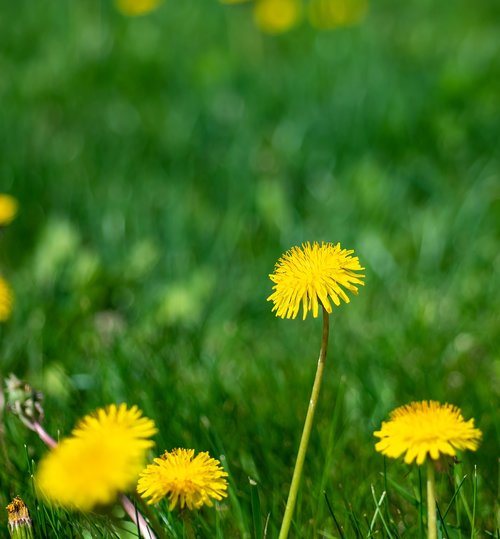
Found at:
<point>431,501</point>
<point>297,472</point>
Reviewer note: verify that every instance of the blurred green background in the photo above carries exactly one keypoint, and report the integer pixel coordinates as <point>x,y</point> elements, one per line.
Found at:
<point>162,165</point>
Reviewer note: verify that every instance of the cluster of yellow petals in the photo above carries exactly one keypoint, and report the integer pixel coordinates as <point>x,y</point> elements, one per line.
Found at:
<point>310,276</point>
<point>329,14</point>
<point>135,8</point>
<point>188,480</point>
<point>278,16</point>
<point>102,458</point>
<point>427,428</point>
<point>8,209</point>
<point>18,518</point>
<point>6,300</point>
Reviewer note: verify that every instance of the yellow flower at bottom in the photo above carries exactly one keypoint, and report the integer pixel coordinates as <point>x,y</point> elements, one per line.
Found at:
<point>8,209</point>
<point>426,428</point>
<point>276,16</point>
<point>186,480</point>
<point>134,8</point>
<point>102,458</point>
<point>312,274</point>
<point>6,300</point>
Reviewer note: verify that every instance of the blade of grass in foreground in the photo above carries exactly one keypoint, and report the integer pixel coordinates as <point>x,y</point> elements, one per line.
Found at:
<point>379,513</point>
<point>256,510</point>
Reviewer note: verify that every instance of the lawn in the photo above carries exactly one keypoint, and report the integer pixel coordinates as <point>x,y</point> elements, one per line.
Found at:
<point>163,163</point>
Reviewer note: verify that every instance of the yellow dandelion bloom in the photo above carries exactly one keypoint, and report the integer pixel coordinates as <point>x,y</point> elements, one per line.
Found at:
<point>135,8</point>
<point>277,16</point>
<point>8,209</point>
<point>310,275</point>
<point>186,479</point>
<point>426,428</point>
<point>325,14</point>
<point>6,300</point>
<point>101,459</point>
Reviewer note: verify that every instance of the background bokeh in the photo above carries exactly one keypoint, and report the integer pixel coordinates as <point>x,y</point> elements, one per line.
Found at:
<point>163,163</point>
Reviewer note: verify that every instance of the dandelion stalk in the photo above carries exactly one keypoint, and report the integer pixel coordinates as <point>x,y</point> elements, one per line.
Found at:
<point>304,441</point>
<point>431,501</point>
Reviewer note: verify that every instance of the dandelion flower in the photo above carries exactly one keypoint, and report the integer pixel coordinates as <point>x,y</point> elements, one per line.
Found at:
<point>426,428</point>
<point>19,520</point>
<point>6,300</point>
<point>277,16</point>
<point>310,275</point>
<point>326,14</point>
<point>102,458</point>
<point>8,209</point>
<point>135,8</point>
<point>186,479</point>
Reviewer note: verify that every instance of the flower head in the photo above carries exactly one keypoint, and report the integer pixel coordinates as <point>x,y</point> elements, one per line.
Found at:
<point>310,275</point>
<point>325,14</point>
<point>134,8</point>
<point>102,458</point>
<point>277,16</point>
<point>186,480</point>
<point>6,300</point>
<point>19,520</point>
<point>8,209</point>
<point>426,428</point>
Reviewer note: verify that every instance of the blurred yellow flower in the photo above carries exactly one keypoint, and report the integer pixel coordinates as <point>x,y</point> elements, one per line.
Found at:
<point>277,16</point>
<point>102,458</point>
<point>8,209</point>
<point>325,14</point>
<point>6,300</point>
<point>426,428</point>
<point>309,275</point>
<point>188,481</point>
<point>134,8</point>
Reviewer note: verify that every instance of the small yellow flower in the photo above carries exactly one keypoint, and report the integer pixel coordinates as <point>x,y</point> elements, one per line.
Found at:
<point>426,428</point>
<point>102,458</point>
<point>19,520</point>
<point>6,300</point>
<point>8,209</point>
<point>325,14</point>
<point>186,480</point>
<point>310,275</point>
<point>134,8</point>
<point>277,16</point>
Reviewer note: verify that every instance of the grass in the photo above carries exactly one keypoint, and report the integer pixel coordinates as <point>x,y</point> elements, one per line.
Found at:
<point>163,164</point>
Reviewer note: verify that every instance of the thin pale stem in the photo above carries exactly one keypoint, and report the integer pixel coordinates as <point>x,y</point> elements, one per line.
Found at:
<point>43,435</point>
<point>304,441</point>
<point>137,518</point>
<point>431,501</point>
